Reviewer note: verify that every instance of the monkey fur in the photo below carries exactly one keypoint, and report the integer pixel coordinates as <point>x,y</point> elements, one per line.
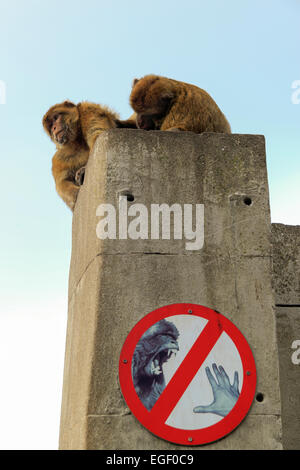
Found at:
<point>154,348</point>
<point>74,130</point>
<point>169,105</point>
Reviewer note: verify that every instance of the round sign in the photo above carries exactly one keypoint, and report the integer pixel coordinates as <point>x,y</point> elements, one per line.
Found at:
<point>187,374</point>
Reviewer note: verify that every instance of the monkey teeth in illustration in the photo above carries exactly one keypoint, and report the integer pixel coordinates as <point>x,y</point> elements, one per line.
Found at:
<point>156,347</point>
<point>160,358</point>
<point>211,394</point>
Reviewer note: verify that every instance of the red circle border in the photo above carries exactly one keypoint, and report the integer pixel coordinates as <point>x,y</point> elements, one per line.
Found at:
<point>162,430</point>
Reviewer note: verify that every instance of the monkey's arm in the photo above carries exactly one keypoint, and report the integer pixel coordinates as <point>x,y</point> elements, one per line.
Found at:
<point>127,124</point>
<point>177,120</point>
<point>65,187</point>
<point>68,191</point>
<point>95,119</point>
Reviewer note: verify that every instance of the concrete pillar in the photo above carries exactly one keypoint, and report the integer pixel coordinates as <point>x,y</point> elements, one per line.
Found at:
<point>115,283</point>
<point>286,284</point>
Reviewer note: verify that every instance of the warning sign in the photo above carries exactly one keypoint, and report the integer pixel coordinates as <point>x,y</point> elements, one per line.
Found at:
<point>187,374</point>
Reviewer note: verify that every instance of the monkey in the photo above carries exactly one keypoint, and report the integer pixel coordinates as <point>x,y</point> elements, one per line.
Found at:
<point>169,105</point>
<point>154,348</point>
<point>74,129</point>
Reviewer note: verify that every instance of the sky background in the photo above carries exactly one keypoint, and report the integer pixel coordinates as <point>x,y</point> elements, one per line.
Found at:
<point>244,53</point>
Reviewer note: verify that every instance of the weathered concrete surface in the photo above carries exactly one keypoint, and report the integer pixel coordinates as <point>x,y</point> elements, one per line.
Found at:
<point>286,263</point>
<point>115,283</point>
<point>288,330</point>
<point>286,283</point>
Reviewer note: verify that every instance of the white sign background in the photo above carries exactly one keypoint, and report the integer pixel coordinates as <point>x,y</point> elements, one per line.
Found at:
<point>199,392</point>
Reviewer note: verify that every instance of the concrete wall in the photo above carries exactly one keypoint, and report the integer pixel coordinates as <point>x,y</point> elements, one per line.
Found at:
<point>286,285</point>
<point>113,284</point>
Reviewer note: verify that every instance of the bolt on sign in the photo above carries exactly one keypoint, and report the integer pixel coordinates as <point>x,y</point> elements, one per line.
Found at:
<point>187,374</point>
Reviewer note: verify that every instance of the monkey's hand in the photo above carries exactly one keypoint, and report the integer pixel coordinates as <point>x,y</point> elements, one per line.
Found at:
<point>175,129</point>
<point>225,394</point>
<point>79,176</point>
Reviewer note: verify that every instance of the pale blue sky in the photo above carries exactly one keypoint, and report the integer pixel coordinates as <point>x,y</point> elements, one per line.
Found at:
<point>244,53</point>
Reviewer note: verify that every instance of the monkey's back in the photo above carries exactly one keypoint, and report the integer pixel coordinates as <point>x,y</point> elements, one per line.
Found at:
<point>195,110</point>
<point>175,105</point>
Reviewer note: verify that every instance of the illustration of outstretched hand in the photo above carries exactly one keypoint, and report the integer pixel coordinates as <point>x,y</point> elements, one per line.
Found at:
<point>225,394</point>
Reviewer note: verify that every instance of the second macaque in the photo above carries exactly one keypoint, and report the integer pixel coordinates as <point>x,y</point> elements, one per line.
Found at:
<point>169,105</point>
<point>74,130</point>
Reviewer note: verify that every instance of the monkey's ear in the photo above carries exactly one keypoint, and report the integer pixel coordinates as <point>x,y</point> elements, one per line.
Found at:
<point>46,123</point>
<point>135,80</point>
<point>69,104</point>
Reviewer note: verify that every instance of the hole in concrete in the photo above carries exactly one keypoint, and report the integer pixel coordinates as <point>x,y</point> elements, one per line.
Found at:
<point>248,201</point>
<point>126,193</point>
<point>130,197</point>
<point>260,397</point>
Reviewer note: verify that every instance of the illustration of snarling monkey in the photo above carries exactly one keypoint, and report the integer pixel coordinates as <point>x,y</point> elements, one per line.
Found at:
<point>169,105</point>
<point>74,130</point>
<point>153,349</point>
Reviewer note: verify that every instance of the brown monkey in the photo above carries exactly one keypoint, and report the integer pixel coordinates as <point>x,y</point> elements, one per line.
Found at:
<point>74,130</point>
<point>169,105</point>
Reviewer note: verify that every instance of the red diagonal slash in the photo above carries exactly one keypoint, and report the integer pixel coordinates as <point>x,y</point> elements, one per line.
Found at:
<point>187,370</point>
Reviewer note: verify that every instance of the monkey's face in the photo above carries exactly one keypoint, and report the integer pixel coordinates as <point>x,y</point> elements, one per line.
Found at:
<point>58,129</point>
<point>163,348</point>
<point>143,121</point>
<point>61,123</point>
<point>154,349</point>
